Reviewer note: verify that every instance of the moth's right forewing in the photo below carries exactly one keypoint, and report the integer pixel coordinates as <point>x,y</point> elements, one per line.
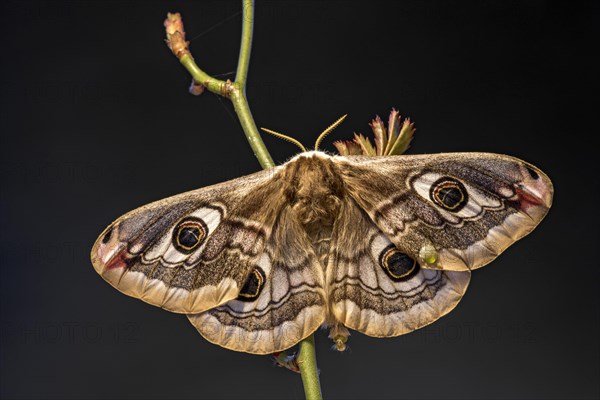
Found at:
<point>452,211</point>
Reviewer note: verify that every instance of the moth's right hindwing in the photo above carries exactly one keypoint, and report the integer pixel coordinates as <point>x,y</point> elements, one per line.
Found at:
<point>193,251</point>
<point>412,228</point>
<point>378,290</point>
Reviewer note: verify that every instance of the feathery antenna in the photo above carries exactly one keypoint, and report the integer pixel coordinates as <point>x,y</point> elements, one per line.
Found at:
<point>328,130</point>
<point>319,139</point>
<point>285,137</point>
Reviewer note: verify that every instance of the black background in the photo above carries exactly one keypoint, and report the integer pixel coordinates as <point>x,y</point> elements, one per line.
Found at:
<point>96,120</point>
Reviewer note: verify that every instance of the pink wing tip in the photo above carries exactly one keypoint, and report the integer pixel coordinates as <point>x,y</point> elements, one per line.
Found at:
<point>535,190</point>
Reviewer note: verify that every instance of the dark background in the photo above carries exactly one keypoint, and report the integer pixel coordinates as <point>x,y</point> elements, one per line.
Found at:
<point>96,120</point>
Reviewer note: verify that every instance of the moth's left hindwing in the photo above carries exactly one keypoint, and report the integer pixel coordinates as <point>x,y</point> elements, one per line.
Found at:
<point>233,245</point>
<point>287,308</point>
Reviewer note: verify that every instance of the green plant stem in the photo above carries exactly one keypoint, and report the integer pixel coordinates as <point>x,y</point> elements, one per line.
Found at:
<point>214,85</point>
<point>307,361</point>
<point>240,105</point>
<point>236,92</point>
<point>246,42</point>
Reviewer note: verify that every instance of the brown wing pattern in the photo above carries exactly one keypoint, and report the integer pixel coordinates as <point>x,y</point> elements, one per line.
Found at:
<point>469,207</point>
<point>407,232</point>
<point>193,251</point>
<point>287,302</point>
<point>370,296</point>
<point>412,228</point>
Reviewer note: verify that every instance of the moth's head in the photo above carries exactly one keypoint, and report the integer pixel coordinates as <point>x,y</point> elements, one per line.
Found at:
<point>315,188</point>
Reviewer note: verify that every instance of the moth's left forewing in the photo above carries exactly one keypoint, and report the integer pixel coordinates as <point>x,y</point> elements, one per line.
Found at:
<point>455,211</point>
<point>190,252</point>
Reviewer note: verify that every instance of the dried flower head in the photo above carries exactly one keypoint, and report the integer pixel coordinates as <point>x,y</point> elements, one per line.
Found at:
<point>391,141</point>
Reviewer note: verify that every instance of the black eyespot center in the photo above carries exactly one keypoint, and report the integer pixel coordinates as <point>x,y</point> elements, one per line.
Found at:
<point>107,235</point>
<point>253,286</point>
<point>397,265</point>
<point>449,193</point>
<point>189,234</point>
<point>532,172</point>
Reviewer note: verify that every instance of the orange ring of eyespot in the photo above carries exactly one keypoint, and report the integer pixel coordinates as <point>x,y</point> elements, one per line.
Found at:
<point>261,280</point>
<point>191,224</point>
<point>445,185</point>
<point>387,255</point>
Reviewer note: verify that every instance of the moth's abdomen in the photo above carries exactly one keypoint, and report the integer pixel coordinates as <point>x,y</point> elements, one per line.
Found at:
<point>317,216</point>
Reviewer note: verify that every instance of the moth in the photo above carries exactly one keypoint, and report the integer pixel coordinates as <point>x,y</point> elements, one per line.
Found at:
<point>381,245</point>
